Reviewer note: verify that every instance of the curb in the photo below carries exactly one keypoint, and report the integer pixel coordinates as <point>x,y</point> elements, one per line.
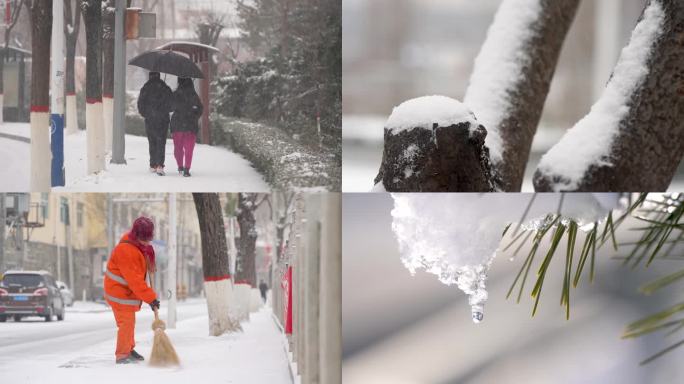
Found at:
<point>15,137</point>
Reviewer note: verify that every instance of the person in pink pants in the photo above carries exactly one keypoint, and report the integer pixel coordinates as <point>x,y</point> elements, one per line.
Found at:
<point>187,109</point>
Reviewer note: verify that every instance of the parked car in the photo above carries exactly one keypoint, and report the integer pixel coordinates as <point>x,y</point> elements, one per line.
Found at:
<point>67,295</point>
<point>30,293</point>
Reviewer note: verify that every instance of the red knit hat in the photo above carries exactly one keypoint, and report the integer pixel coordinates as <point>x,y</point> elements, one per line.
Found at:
<point>143,229</point>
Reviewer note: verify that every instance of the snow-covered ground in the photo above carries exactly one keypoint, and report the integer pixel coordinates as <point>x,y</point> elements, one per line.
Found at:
<point>214,169</point>
<point>14,165</point>
<point>81,349</point>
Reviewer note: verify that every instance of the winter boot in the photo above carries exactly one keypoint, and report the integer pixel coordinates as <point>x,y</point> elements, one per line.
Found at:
<point>127,360</point>
<point>136,355</point>
<point>186,172</point>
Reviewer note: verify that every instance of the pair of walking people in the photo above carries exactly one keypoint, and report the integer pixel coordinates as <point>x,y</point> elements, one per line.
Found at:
<point>155,102</point>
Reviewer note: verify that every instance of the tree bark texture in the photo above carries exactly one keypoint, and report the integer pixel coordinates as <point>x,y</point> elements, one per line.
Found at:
<point>444,159</point>
<point>41,32</point>
<point>215,263</point>
<point>108,50</point>
<point>73,17</point>
<point>650,142</point>
<point>92,17</point>
<point>523,100</point>
<point>245,272</point>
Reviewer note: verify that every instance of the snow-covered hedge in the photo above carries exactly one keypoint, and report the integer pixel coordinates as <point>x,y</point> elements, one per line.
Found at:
<point>284,162</point>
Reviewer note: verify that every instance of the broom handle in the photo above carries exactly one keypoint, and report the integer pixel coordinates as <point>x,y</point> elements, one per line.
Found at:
<point>156,314</point>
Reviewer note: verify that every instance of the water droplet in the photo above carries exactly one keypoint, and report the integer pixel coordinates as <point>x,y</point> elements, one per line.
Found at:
<point>478,313</point>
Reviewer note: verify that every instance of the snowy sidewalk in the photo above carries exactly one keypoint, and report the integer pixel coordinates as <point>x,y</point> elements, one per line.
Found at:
<point>214,169</point>
<point>253,356</point>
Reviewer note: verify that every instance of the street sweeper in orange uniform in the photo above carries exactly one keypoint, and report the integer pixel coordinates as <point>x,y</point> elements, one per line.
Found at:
<point>127,285</point>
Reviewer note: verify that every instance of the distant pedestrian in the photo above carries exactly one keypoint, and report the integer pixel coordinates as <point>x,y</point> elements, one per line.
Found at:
<point>264,289</point>
<point>154,105</point>
<point>187,109</point>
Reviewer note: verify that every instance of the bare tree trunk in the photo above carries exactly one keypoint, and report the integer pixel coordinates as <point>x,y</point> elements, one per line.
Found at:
<point>41,32</point>
<point>245,272</point>
<point>649,140</point>
<point>92,17</point>
<point>214,247</point>
<point>215,265</point>
<point>73,18</point>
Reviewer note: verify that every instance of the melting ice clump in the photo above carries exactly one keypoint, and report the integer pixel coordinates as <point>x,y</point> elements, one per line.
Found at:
<point>456,236</point>
<point>446,235</point>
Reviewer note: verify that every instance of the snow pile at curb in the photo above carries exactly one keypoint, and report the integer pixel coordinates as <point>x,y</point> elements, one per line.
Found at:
<point>425,112</point>
<point>590,141</point>
<point>283,162</point>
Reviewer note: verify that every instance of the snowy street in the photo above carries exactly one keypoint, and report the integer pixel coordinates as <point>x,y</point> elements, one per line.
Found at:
<point>214,168</point>
<point>37,352</point>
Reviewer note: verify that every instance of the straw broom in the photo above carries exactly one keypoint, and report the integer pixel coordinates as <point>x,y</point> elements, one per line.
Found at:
<point>163,354</point>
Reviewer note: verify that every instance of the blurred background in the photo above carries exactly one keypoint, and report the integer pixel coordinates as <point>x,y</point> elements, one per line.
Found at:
<point>395,50</point>
<point>403,329</point>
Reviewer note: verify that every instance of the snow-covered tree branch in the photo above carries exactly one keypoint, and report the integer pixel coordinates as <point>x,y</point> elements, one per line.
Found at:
<point>511,79</point>
<point>632,140</point>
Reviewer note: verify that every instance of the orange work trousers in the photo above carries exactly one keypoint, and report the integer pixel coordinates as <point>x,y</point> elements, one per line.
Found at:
<point>125,337</point>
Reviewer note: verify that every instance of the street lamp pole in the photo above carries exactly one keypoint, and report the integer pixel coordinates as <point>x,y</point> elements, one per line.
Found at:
<point>119,129</point>
<point>57,94</point>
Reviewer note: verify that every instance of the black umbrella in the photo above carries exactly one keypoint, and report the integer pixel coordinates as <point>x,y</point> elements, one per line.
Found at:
<point>166,61</point>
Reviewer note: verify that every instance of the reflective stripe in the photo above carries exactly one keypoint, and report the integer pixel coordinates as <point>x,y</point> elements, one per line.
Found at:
<point>116,278</point>
<point>123,301</point>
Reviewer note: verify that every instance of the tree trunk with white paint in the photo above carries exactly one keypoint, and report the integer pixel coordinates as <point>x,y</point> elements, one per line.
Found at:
<point>41,31</point>
<point>71,114</point>
<point>108,121</point>
<point>242,299</point>
<point>73,19</point>
<point>215,266</point>
<point>219,299</point>
<point>246,268</point>
<point>92,17</point>
<point>108,73</point>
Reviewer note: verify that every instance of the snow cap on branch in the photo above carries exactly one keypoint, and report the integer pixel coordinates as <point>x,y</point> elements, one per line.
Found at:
<point>425,112</point>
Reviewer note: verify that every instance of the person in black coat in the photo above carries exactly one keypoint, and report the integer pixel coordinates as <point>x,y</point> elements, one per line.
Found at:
<point>263,288</point>
<point>187,109</point>
<point>154,105</point>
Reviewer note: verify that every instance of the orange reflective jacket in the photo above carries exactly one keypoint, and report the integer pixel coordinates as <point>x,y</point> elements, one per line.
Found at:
<point>124,284</point>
